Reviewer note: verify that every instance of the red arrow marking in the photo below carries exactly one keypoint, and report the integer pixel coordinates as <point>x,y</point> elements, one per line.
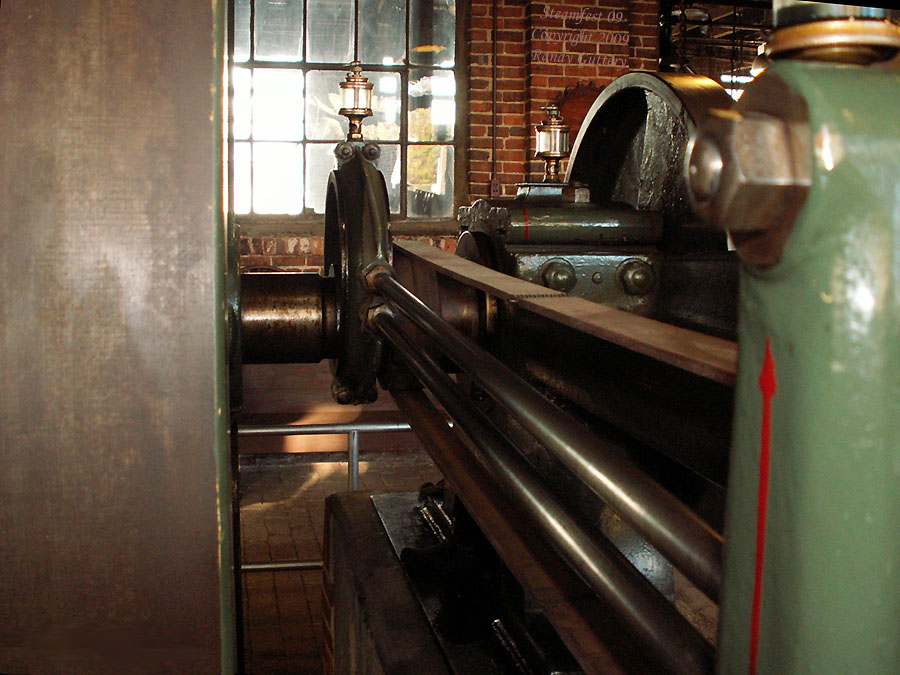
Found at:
<point>768,385</point>
<point>525,213</point>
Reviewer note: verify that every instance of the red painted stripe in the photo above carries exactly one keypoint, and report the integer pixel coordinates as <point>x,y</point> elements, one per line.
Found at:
<point>768,385</point>
<point>525,213</point>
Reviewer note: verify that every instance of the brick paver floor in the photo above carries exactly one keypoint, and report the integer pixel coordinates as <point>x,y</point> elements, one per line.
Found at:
<point>282,518</point>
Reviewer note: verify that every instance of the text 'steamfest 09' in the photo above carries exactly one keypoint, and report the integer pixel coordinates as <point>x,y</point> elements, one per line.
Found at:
<point>580,17</point>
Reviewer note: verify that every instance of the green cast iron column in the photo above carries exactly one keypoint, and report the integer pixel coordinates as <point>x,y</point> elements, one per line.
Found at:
<point>830,573</point>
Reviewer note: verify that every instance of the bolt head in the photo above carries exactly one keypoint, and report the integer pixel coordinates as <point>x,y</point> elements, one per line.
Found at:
<point>705,168</point>
<point>559,275</point>
<point>637,277</point>
<point>341,395</point>
<point>344,151</point>
<point>371,152</point>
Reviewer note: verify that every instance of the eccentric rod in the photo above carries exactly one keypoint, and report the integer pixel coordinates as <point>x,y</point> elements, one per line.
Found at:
<point>672,641</point>
<point>673,529</point>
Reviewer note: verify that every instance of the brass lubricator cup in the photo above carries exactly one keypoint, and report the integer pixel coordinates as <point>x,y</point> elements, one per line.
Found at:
<point>552,140</point>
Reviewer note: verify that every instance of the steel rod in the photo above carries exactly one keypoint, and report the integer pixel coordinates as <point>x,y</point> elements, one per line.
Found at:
<point>353,463</point>
<point>283,566</point>
<point>316,429</point>
<point>668,636</point>
<point>578,616</point>
<point>667,524</point>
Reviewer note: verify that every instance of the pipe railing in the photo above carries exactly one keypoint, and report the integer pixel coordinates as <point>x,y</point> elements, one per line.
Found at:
<point>673,642</point>
<point>667,524</point>
<point>352,430</point>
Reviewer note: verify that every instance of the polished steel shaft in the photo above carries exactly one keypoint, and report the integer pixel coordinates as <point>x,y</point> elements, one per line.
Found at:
<point>287,317</point>
<point>672,641</point>
<point>689,543</point>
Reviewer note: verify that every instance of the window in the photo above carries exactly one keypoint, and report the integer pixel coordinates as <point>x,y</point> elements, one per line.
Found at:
<point>289,58</point>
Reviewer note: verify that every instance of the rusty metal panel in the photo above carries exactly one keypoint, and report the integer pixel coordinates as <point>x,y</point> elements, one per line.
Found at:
<point>110,391</point>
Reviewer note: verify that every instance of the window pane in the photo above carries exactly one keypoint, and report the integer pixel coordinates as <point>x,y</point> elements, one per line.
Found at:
<point>241,106</point>
<point>331,26</point>
<point>389,165</point>
<point>279,30</point>
<point>241,30</point>
<point>277,178</point>
<point>277,104</point>
<point>382,31</point>
<point>323,100</point>
<point>432,110</point>
<point>384,125</point>
<point>242,178</point>
<point>432,32</point>
<point>429,176</point>
<point>319,164</point>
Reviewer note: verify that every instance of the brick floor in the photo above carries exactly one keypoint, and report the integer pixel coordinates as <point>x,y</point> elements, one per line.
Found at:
<point>282,518</point>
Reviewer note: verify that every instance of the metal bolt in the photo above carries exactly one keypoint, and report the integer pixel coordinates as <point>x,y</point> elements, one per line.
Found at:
<point>705,168</point>
<point>559,275</point>
<point>637,277</point>
<point>597,278</point>
<point>371,152</point>
<point>341,395</point>
<point>344,150</point>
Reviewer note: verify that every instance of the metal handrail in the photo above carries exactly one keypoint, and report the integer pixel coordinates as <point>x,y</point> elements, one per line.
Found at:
<point>352,429</point>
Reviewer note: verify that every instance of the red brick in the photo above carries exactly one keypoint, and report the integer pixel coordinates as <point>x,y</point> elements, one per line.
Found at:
<point>511,11</point>
<point>255,261</point>
<point>512,24</point>
<point>508,60</point>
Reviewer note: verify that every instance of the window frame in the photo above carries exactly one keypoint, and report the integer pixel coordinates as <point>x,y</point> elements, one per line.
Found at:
<point>310,223</point>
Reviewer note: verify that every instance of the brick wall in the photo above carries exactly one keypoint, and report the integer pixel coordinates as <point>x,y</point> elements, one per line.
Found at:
<point>304,254</point>
<point>542,48</point>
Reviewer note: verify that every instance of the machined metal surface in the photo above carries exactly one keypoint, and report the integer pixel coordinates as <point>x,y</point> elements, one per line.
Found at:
<point>115,482</point>
<point>404,526</point>
<point>357,235</point>
<point>750,168</point>
<point>582,620</point>
<point>287,318</point>
<point>814,495</point>
<point>684,539</point>
<point>856,40</point>
<point>746,167</point>
<point>632,143</point>
<point>706,356</point>
<point>672,641</point>
<point>282,566</point>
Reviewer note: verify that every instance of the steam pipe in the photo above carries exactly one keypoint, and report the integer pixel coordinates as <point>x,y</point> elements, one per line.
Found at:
<point>673,529</point>
<point>671,640</point>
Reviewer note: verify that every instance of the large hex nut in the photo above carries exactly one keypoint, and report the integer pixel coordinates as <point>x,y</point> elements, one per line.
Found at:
<point>748,171</point>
